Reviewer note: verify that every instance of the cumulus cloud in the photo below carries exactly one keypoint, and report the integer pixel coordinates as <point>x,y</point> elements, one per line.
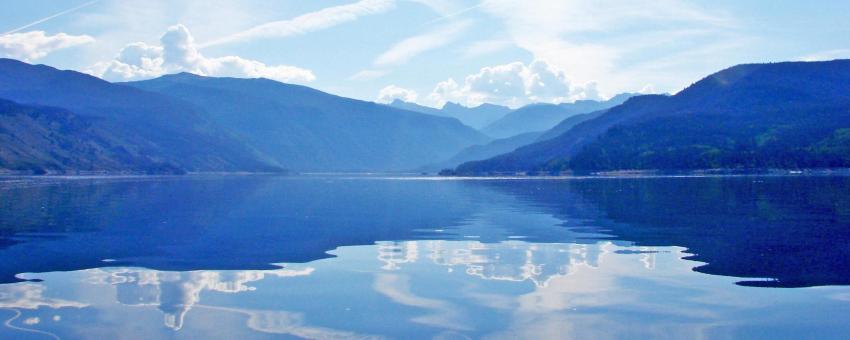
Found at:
<point>37,44</point>
<point>313,21</point>
<point>390,93</point>
<point>623,50</point>
<point>177,52</point>
<point>514,85</point>
<point>449,91</point>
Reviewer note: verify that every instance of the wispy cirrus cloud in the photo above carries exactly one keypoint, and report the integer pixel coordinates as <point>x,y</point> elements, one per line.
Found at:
<point>33,45</point>
<point>47,18</point>
<point>368,74</point>
<point>313,21</point>
<point>557,31</point>
<point>484,47</point>
<point>408,48</point>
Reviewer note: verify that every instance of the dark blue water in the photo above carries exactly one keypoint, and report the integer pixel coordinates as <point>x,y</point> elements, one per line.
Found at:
<point>363,257</point>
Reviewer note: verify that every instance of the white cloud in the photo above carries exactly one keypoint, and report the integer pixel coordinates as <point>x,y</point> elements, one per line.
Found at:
<point>178,53</point>
<point>50,17</point>
<point>390,93</point>
<point>36,44</point>
<point>827,55</point>
<point>31,296</point>
<point>622,43</point>
<point>449,12</point>
<point>514,85</point>
<point>413,46</point>
<point>648,89</point>
<point>449,91</point>
<point>313,21</point>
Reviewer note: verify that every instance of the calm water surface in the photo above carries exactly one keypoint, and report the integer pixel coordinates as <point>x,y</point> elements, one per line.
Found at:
<point>363,257</point>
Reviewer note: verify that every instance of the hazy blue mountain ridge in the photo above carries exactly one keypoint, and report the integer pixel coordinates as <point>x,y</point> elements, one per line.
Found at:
<point>309,130</point>
<point>506,145</point>
<point>152,126</point>
<point>782,115</point>
<point>542,117</point>
<point>476,117</point>
<point>41,140</point>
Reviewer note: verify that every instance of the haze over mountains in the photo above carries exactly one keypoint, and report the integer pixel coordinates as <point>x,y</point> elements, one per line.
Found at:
<point>476,117</point>
<point>308,130</point>
<point>207,124</point>
<point>542,117</point>
<point>157,131</point>
<point>783,115</point>
<point>508,144</point>
<point>523,126</point>
<point>39,139</point>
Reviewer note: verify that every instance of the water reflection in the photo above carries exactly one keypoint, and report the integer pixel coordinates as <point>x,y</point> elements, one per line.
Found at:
<point>175,293</point>
<point>792,231</point>
<point>508,261</point>
<point>747,227</point>
<point>424,288</point>
<point>394,270</point>
<point>340,258</point>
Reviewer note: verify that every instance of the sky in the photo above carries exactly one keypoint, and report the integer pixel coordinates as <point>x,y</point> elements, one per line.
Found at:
<point>507,52</point>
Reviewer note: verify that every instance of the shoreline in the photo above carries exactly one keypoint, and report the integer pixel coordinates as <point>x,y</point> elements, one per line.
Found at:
<point>5,176</point>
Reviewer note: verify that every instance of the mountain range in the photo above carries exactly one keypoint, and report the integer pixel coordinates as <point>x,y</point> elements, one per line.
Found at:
<point>542,117</point>
<point>780,115</point>
<point>43,139</point>
<point>145,128</point>
<point>508,144</point>
<point>189,123</point>
<point>476,117</point>
<point>304,129</point>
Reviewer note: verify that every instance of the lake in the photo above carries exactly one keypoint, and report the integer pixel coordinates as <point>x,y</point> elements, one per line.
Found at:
<point>245,257</point>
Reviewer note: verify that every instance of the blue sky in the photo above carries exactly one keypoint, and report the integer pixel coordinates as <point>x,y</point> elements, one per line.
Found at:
<point>428,51</point>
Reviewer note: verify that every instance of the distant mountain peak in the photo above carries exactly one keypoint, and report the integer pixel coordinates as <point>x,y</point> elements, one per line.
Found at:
<point>452,106</point>
<point>185,77</point>
<point>183,74</point>
<point>307,129</point>
<point>488,105</point>
<point>776,115</point>
<point>538,117</point>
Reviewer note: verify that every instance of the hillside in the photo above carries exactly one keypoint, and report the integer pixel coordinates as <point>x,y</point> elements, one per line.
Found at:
<point>542,117</point>
<point>155,127</point>
<point>508,144</point>
<point>783,115</point>
<point>476,117</point>
<point>40,140</point>
<point>484,151</point>
<point>309,130</point>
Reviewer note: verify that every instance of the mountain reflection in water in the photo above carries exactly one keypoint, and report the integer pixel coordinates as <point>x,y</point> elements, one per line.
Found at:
<point>369,257</point>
